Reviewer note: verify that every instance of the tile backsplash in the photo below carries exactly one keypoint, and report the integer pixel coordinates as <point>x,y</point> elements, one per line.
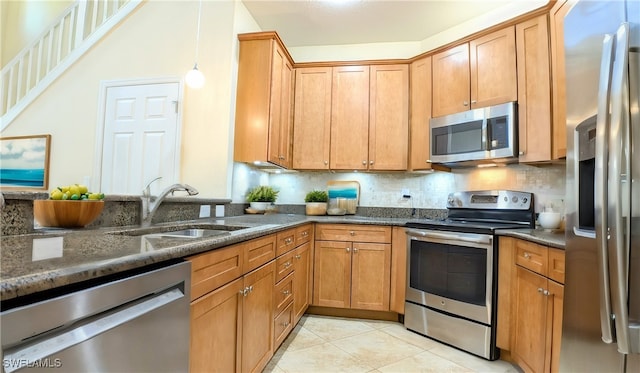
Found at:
<point>427,190</point>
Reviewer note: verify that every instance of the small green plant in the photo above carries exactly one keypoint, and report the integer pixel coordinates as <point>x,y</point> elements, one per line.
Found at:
<point>316,196</point>
<point>262,193</point>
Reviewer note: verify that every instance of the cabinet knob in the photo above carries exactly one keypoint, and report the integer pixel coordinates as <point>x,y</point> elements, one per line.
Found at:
<point>364,162</point>
<point>527,255</point>
<point>473,101</point>
<point>465,103</point>
<point>286,292</point>
<point>285,324</point>
<point>355,250</point>
<point>287,265</point>
<point>326,163</point>
<point>520,153</point>
<point>540,290</point>
<point>546,293</point>
<point>298,256</point>
<point>352,233</point>
<point>288,240</point>
<point>371,162</point>
<point>348,249</point>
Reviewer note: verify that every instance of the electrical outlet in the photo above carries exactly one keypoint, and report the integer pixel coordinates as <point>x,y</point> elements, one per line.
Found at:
<point>219,211</point>
<point>205,211</point>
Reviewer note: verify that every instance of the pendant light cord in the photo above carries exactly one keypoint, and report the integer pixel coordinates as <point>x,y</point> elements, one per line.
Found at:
<point>198,33</point>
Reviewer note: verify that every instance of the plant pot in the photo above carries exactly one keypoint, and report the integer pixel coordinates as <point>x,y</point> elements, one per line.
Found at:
<point>260,206</point>
<point>316,208</point>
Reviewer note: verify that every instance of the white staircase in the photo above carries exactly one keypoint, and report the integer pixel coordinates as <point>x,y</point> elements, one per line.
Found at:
<point>78,28</point>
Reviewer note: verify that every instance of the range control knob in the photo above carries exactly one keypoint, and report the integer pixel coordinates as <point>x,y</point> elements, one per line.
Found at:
<point>525,199</point>
<point>514,199</point>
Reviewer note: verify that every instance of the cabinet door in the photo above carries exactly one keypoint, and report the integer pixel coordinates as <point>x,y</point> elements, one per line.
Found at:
<point>280,109</point>
<point>556,291</point>
<point>301,280</point>
<point>530,321</point>
<point>215,330</point>
<point>534,90</point>
<point>398,283</point>
<point>370,276</point>
<point>493,69</point>
<point>350,118</point>
<point>257,318</point>
<point>389,117</point>
<point>420,109</point>
<point>312,118</point>
<point>558,91</point>
<point>332,274</point>
<point>451,80</point>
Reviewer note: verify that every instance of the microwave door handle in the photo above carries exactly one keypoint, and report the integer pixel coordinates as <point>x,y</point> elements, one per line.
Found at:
<point>485,135</point>
<point>619,186</point>
<point>601,170</point>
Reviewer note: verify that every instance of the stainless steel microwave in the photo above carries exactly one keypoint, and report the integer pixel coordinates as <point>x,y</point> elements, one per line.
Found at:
<point>486,134</point>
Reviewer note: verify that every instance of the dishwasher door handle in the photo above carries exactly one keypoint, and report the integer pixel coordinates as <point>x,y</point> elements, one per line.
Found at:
<point>47,345</point>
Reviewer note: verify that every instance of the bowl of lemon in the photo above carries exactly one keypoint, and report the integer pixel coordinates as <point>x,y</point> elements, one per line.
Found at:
<point>69,206</point>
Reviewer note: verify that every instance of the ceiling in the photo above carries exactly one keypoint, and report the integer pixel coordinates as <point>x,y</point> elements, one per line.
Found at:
<point>335,22</point>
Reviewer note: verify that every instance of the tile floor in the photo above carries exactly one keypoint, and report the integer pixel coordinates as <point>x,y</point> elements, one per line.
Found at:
<point>333,344</point>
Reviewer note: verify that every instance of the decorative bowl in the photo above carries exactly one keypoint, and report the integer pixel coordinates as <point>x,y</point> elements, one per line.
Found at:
<point>549,220</point>
<point>66,214</point>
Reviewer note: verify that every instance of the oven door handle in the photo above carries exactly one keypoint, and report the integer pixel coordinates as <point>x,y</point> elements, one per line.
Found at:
<point>477,239</point>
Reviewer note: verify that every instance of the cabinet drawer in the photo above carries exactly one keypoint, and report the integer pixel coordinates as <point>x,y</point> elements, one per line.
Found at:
<point>286,240</point>
<point>284,266</point>
<point>353,232</point>
<point>532,256</point>
<point>556,265</point>
<point>282,325</point>
<point>283,294</point>
<point>215,268</point>
<point>304,234</point>
<point>258,252</point>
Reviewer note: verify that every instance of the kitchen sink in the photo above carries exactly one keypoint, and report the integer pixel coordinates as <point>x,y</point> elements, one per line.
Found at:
<point>181,231</point>
<point>191,233</point>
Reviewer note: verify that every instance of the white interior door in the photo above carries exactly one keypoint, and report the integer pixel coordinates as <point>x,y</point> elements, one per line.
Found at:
<point>141,138</point>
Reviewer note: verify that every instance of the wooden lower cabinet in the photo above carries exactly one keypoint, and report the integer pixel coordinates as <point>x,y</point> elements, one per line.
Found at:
<point>232,326</point>
<point>352,274</point>
<point>530,304</point>
<point>257,319</point>
<point>216,330</point>
<point>302,280</point>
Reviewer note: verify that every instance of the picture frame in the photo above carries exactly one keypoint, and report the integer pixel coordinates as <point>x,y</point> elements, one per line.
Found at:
<point>24,162</point>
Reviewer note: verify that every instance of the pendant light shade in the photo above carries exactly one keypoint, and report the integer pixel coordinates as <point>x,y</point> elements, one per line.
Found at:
<point>195,78</point>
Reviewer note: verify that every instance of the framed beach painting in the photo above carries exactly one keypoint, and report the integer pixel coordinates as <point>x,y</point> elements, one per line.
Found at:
<point>24,162</point>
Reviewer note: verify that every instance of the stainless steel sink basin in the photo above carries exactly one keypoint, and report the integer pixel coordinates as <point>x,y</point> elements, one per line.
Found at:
<point>192,233</point>
<point>180,231</point>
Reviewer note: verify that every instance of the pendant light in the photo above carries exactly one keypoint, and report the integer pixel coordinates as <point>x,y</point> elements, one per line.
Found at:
<point>195,78</point>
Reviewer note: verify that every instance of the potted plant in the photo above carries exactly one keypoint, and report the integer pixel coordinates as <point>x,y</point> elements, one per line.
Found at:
<point>261,197</point>
<point>316,202</point>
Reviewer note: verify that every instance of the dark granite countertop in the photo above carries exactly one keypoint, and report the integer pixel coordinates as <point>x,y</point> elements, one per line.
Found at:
<point>51,258</point>
<point>548,237</point>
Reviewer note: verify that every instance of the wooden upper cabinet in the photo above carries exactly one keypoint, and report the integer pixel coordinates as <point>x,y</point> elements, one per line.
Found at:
<point>312,118</point>
<point>389,117</point>
<point>263,100</point>
<point>558,91</point>
<point>451,80</point>
<point>475,74</point>
<point>350,118</point>
<point>420,113</point>
<point>493,68</point>
<point>534,90</point>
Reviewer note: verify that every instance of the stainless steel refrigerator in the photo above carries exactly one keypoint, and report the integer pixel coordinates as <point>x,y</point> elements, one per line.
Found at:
<point>601,318</point>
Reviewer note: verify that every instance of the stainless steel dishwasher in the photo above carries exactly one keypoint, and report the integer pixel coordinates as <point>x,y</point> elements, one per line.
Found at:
<point>134,324</point>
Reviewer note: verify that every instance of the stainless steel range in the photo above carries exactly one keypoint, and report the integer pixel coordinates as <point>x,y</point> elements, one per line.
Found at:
<point>452,268</point>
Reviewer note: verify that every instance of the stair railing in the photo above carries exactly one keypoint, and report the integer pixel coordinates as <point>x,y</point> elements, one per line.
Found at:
<point>40,63</point>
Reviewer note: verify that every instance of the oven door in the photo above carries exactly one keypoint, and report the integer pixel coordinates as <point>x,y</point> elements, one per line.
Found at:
<point>451,272</point>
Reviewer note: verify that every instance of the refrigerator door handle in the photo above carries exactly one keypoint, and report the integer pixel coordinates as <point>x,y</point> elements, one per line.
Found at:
<point>618,189</point>
<point>601,170</point>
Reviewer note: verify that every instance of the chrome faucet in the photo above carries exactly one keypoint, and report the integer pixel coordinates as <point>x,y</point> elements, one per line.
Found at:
<point>150,207</point>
